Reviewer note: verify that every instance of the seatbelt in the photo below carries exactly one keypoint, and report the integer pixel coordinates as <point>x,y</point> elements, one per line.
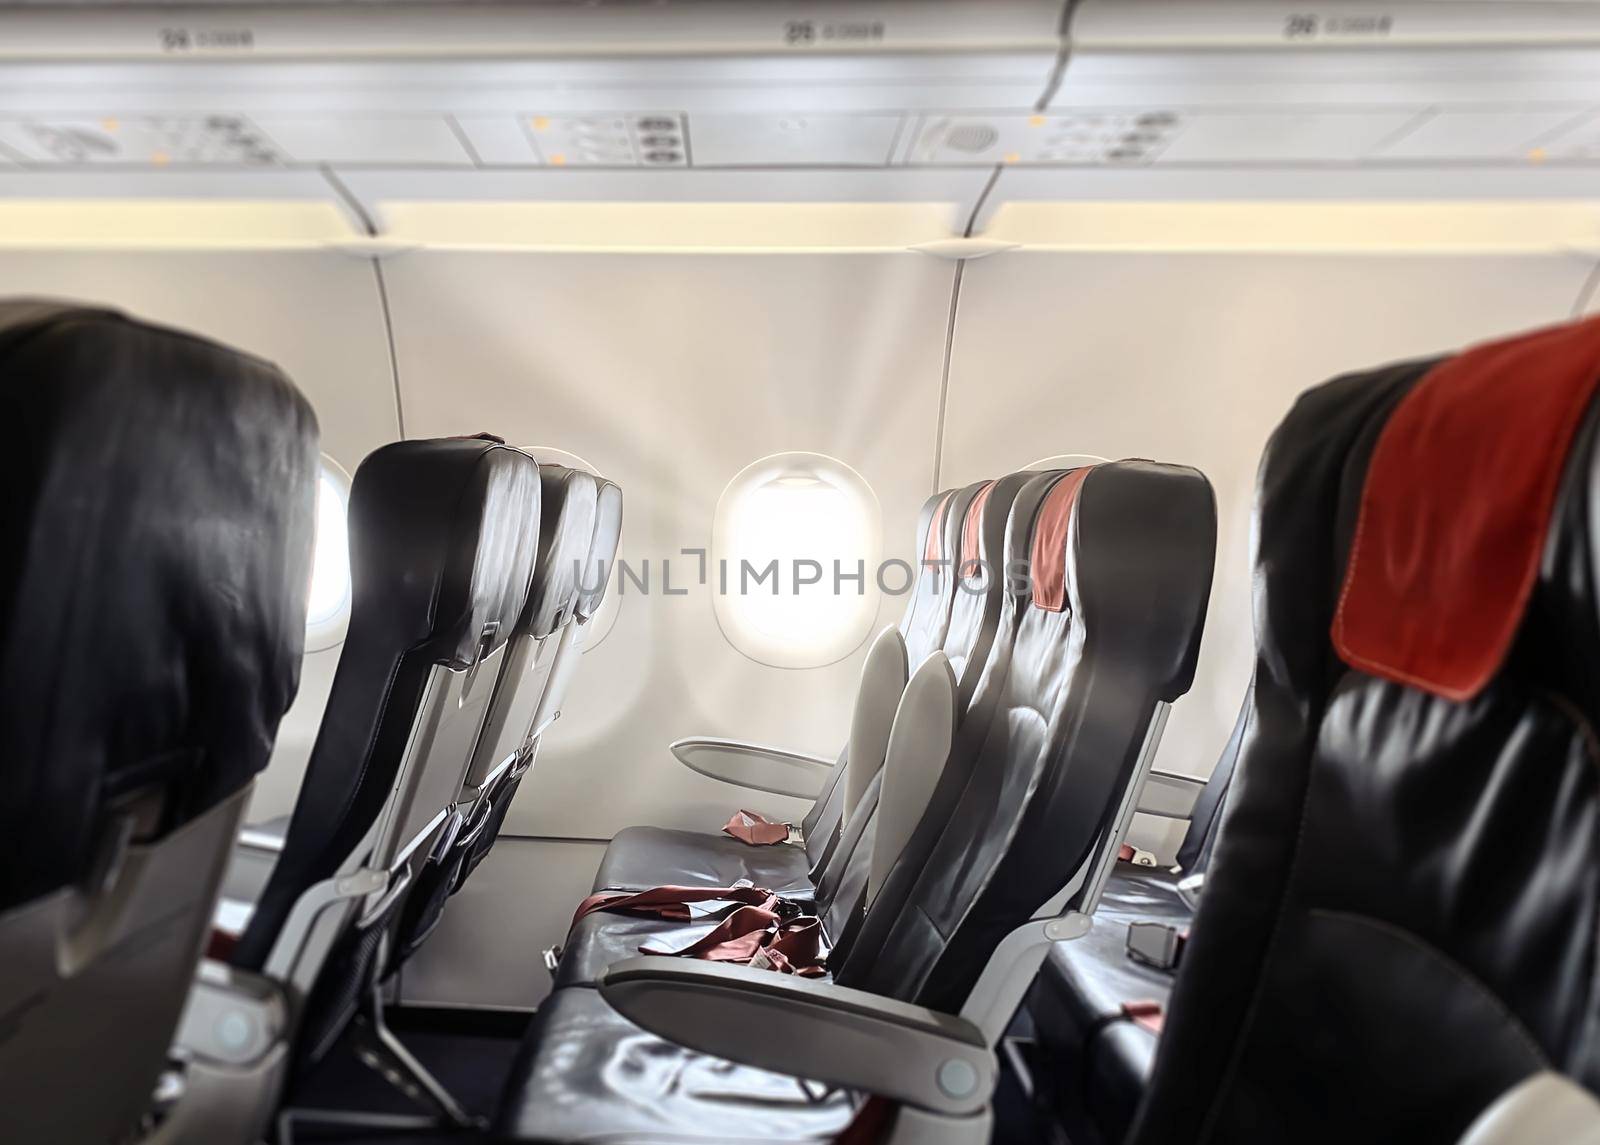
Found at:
<point>669,902</point>
<point>1147,1015</point>
<point>762,929</point>
<point>871,1124</point>
<point>757,830</point>
<point>761,938</point>
<point>1131,854</point>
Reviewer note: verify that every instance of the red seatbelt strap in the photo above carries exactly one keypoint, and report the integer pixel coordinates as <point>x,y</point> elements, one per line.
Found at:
<point>871,1123</point>
<point>760,930</point>
<point>668,902</point>
<point>1146,1015</point>
<point>756,829</point>
<point>762,938</point>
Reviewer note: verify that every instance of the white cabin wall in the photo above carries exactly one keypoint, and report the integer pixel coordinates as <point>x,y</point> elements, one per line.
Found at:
<point>317,315</point>
<point>669,373</point>
<point>1195,358</point>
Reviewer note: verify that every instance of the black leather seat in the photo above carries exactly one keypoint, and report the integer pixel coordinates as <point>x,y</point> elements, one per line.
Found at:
<point>442,540</point>
<point>841,880</point>
<point>643,857</point>
<point>1399,925</point>
<point>1024,808</point>
<point>158,492</point>
<point>1095,1008</point>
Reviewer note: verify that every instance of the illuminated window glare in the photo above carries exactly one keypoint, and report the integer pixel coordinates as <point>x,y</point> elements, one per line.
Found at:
<point>328,602</point>
<point>812,515</point>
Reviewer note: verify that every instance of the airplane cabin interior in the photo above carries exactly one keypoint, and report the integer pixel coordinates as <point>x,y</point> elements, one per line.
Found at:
<point>906,572</point>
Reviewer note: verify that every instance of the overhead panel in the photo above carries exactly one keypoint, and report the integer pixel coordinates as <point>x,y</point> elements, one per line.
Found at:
<point>142,140</point>
<point>1087,137</point>
<point>798,138</point>
<point>1291,137</point>
<point>622,139</point>
<point>1488,134</point>
<point>387,139</point>
<point>1578,140</point>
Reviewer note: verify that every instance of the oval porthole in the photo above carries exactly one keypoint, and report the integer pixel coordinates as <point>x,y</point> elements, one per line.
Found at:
<point>603,621</point>
<point>328,600</point>
<point>1066,461</point>
<point>794,543</point>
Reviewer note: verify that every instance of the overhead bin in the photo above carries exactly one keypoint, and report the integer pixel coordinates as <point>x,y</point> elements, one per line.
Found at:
<point>901,110</point>
<point>1143,25</point>
<point>434,30</point>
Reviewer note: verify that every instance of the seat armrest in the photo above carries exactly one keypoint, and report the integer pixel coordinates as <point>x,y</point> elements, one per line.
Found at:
<point>233,1046</point>
<point>233,1016</point>
<point>265,837</point>
<point>810,1029</point>
<point>1547,1107</point>
<point>1170,794</point>
<point>774,770</point>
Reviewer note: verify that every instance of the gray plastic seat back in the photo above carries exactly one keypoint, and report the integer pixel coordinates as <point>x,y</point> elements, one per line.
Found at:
<point>568,506</point>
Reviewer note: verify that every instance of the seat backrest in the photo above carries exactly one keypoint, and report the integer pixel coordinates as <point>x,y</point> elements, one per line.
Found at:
<point>1194,853</point>
<point>1401,919</point>
<point>1104,631</point>
<point>159,497</point>
<point>568,504</point>
<point>442,540</point>
<point>592,571</point>
<point>843,883</point>
<point>578,497</point>
<point>922,626</point>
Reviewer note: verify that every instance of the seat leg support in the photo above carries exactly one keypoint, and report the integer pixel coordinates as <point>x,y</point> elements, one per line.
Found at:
<point>381,1050</point>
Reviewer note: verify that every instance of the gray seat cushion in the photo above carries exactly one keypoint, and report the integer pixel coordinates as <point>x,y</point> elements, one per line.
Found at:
<point>588,1074</point>
<point>643,857</point>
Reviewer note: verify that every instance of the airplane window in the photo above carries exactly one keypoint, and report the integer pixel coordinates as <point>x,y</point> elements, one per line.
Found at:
<point>794,568</point>
<point>328,603</point>
<point>1066,461</point>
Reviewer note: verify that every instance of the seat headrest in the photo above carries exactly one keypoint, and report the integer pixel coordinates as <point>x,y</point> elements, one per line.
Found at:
<point>981,578</point>
<point>442,544</point>
<point>931,523</point>
<point>972,527</point>
<point>602,550</point>
<point>566,531</point>
<point>1456,507</point>
<point>1069,528</point>
<point>159,494</point>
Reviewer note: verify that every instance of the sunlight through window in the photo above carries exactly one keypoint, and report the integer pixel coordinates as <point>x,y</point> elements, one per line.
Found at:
<point>795,542</point>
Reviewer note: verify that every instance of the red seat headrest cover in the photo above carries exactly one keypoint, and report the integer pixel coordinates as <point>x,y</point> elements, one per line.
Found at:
<point>1458,500</point>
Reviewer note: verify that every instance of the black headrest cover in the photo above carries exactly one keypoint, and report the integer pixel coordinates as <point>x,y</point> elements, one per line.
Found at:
<point>159,494</point>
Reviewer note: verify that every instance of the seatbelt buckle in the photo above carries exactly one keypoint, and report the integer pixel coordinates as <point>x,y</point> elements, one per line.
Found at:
<point>1156,944</point>
<point>1127,853</point>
